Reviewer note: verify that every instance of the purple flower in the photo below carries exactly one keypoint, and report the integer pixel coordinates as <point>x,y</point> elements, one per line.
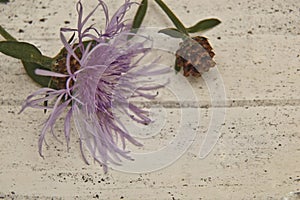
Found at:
<point>101,73</point>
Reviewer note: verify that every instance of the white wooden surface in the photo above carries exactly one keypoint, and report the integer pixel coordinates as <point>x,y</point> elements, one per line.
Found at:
<point>257,157</point>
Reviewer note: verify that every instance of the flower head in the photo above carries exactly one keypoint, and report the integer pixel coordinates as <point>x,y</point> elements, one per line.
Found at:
<point>98,76</point>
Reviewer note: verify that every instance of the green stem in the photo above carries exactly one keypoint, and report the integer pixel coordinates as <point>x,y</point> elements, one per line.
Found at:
<point>140,15</point>
<point>178,24</point>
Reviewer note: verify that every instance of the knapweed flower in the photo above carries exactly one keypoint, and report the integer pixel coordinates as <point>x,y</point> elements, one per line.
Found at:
<point>94,77</point>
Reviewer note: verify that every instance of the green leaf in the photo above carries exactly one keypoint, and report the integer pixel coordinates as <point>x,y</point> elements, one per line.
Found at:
<point>4,1</point>
<point>6,35</point>
<point>177,23</point>
<point>172,32</point>
<point>176,67</point>
<point>30,70</point>
<point>139,16</point>
<point>29,67</point>
<point>203,25</point>
<point>25,52</point>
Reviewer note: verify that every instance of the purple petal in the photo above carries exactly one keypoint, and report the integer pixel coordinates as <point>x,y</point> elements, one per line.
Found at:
<point>49,73</point>
<point>68,126</point>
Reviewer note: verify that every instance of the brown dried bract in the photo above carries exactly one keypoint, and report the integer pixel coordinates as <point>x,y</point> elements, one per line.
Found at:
<point>60,67</point>
<point>194,58</point>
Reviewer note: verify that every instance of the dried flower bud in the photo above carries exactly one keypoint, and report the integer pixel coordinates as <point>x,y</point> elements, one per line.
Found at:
<point>194,58</point>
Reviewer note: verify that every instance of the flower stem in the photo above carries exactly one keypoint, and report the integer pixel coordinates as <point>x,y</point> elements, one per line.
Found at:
<point>178,24</point>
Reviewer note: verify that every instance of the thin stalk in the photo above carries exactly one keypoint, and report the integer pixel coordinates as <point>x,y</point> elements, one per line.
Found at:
<point>178,24</point>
